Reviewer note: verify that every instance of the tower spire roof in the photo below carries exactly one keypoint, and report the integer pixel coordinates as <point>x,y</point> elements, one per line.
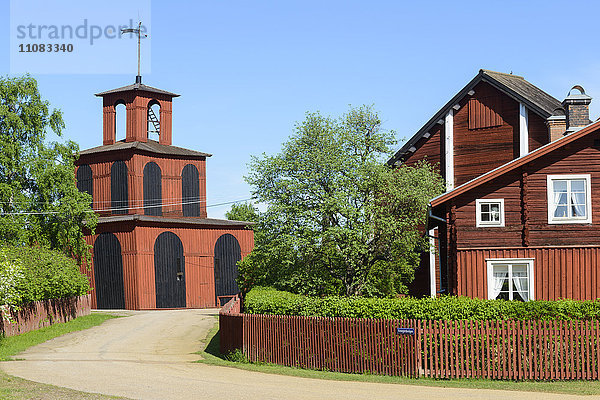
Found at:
<point>137,86</point>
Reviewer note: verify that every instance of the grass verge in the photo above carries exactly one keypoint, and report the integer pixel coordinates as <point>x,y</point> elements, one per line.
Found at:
<point>212,356</point>
<point>9,346</point>
<point>14,388</point>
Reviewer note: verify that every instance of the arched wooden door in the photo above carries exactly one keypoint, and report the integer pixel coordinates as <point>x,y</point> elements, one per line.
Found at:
<point>119,189</point>
<point>152,189</point>
<point>108,272</point>
<point>169,271</point>
<point>227,254</point>
<point>85,181</point>
<point>190,191</point>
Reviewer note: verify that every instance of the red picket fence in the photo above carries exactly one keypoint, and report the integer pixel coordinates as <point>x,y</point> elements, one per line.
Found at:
<point>515,350</point>
<point>334,344</point>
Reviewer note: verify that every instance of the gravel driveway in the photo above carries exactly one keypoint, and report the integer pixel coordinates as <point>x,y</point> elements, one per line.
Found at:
<point>149,354</point>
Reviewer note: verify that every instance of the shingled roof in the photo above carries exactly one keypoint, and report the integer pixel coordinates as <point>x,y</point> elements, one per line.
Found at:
<point>514,86</point>
<point>519,89</point>
<point>174,220</point>
<point>151,146</point>
<point>137,86</point>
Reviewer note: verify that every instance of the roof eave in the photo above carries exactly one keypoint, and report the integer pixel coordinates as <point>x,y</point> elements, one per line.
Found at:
<point>135,148</point>
<point>481,76</point>
<point>144,88</point>
<point>431,123</point>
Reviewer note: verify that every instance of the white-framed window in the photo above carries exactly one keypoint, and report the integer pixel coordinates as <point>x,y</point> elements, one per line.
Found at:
<point>490,212</point>
<point>510,279</point>
<point>569,199</point>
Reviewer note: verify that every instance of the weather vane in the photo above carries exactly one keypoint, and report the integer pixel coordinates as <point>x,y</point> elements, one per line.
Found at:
<point>138,32</point>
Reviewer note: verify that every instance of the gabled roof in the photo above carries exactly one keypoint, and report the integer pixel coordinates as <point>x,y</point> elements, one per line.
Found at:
<point>137,86</point>
<point>523,91</point>
<point>516,163</point>
<point>514,86</point>
<point>151,146</point>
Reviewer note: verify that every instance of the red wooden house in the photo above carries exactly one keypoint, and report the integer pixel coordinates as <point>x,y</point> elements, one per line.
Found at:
<point>520,217</point>
<point>154,246</point>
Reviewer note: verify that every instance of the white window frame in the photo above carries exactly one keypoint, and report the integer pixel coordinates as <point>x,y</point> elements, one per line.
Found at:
<point>487,224</point>
<point>509,261</point>
<point>588,199</point>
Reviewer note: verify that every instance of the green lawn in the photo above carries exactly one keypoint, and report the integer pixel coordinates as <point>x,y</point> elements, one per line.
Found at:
<point>19,389</point>
<point>212,356</point>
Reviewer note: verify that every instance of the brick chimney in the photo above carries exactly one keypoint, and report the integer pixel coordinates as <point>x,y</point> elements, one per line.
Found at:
<point>577,108</point>
<point>557,124</point>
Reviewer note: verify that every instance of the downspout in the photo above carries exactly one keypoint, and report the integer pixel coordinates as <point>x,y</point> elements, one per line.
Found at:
<point>435,217</point>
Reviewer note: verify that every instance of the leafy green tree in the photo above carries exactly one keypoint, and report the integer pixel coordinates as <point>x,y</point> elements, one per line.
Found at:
<point>39,200</point>
<point>339,220</point>
<point>243,212</point>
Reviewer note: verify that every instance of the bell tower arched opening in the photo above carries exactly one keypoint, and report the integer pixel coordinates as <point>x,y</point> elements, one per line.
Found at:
<point>153,120</point>
<point>120,120</point>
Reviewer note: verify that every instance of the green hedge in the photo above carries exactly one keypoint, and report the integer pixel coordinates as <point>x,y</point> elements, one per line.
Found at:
<point>41,274</point>
<point>262,300</point>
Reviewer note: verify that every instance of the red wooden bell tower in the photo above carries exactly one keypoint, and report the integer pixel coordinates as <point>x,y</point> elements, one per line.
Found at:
<point>138,99</point>
<point>154,246</point>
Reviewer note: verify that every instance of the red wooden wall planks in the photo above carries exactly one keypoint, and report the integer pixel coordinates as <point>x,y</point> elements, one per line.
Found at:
<point>429,148</point>
<point>571,272</point>
<point>481,150</point>
<point>171,170</point>
<point>578,158</point>
<point>484,112</point>
<point>137,246</point>
<point>537,130</point>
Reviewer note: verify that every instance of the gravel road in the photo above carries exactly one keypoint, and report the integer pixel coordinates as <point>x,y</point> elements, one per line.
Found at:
<point>149,355</point>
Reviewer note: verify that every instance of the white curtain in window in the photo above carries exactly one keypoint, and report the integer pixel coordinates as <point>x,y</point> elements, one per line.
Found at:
<point>560,204</point>
<point>578,204</point>
<point>523,291</point>
<point>499,279</point>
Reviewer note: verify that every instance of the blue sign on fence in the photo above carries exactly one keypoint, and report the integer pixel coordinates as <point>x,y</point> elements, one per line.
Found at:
<point>405,331</point>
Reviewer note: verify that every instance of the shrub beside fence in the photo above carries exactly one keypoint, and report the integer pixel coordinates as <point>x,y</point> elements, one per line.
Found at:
<point>541,350</point>
<point>43,313</point>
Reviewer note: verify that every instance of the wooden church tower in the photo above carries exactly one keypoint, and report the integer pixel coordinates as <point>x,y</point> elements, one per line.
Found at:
<point>154,246</point>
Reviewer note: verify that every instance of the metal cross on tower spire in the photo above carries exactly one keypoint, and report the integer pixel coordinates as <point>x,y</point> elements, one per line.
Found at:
<point>138,32</point>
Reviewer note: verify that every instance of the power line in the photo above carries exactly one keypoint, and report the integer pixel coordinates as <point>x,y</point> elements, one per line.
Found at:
<point>129,208</point>
<point>103,201</point>
<point>132,201</point>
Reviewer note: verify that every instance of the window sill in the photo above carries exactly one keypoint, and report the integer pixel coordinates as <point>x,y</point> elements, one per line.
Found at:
<point>571,221</point>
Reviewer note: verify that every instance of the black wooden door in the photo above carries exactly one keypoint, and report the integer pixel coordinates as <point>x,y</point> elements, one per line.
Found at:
<point>152,189</point>
<point>227,254</point>
<point>169,271</point>
<point>108,272</point>
<point>190,190</point>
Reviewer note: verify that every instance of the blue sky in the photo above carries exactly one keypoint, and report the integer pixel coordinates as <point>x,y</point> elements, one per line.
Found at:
<point>247,71</point>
